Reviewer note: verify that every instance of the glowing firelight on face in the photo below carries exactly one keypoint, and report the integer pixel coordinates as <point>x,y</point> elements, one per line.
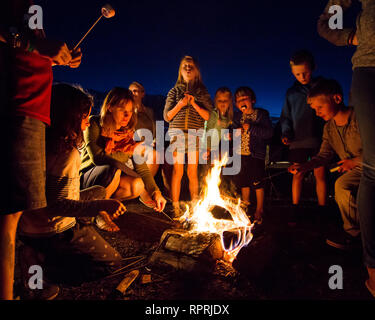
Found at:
<point>201,219</point>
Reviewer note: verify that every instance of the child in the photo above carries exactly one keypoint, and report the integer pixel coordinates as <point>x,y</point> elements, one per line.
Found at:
<point>108,146</point>
<point>341,136</point>
<point>187,106</point>
<point>256,128</point>
<point>220,118</point>
<point>55,233</point>
<point>301,128</point>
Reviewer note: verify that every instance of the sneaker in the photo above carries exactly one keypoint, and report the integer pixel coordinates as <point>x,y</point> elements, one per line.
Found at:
<point>49,292</point>
<point>344,241</point>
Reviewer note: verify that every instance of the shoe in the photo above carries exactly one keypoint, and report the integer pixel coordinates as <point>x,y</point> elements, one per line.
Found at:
<point>49,292</point>
<point>372,291</point>
<point>344,241</point>
<point>149,204</point>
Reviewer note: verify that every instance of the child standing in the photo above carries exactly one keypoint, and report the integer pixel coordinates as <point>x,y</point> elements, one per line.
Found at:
<point>187,106</point>
<point>256,128</point>
<point>301,129</point>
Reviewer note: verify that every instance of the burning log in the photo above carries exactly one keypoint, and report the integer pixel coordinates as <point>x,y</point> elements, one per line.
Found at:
<point>188,251</point>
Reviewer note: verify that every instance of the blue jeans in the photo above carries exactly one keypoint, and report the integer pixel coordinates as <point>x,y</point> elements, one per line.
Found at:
<point>363,99</point>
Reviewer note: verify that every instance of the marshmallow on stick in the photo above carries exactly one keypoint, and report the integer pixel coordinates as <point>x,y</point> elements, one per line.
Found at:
<point>107,12</point>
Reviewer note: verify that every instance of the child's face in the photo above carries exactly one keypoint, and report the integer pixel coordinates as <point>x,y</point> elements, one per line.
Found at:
<point>223,101</point>
<point>244,103</point>
<point>188,71</point>
<point>325,107</point>
<point>138,93</point>
<point>85,123</point>
<point>302,72</point>
<point>122,113</point>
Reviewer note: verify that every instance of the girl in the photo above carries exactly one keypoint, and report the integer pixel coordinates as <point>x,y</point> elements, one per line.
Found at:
<point>108,146</point>
<point>221,118</point>
<point>187,106</point>
<point>55,233</point>
<point>256,127</point>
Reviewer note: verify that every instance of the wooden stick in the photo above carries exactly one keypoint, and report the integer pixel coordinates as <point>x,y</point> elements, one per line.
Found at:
<point>80,41</point>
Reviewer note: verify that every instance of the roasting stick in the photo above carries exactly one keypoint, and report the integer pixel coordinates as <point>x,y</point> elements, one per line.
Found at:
<point>107,12</point>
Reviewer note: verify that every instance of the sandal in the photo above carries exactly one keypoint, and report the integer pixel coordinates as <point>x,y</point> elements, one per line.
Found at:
<point>103,222</point>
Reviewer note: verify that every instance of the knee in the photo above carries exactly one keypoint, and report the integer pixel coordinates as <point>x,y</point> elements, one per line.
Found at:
<point>192,173</point>
<point>319,174</point>
<point>137,187</point>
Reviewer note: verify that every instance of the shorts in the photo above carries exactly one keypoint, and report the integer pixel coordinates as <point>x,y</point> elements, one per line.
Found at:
<point>302,155</point>
<point>98,176</point>
<point>184,144</point>
<point>24,168</point>
<point>252,173</point>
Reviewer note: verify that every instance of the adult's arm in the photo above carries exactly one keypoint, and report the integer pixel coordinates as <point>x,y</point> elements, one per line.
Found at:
<point>339,37</point>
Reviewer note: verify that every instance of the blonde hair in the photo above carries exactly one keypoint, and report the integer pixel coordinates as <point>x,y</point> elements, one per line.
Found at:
<point>229,112</point>
<point>114,99</point>
<point>198,79</point>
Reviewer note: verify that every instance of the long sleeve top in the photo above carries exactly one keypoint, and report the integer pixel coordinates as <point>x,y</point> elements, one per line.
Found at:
<point>344,141</point>
<point>298,120</point>
<point>93,154</point>
<point>364,55</point>
<point>187,117</point>
<point>260,131</point>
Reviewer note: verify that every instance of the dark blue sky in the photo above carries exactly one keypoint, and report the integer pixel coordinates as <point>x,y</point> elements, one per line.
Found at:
<point>237,43</point>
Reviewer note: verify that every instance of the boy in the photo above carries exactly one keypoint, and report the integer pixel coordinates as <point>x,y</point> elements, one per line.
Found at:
<point>301,128</point>
<point>341,137</point>
<point>256,128</point>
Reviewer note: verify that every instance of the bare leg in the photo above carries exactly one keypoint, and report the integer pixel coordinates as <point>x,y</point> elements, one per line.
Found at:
<point>260,202</point>
<point>177,174</point>
<point>112,187</point>
<point>192,172</point>
<point>321,186</point>
<point>297,187</point>
<point>8,228</point>
<point>129,188</point>
<point>245,195</point>
<point>152,163</point>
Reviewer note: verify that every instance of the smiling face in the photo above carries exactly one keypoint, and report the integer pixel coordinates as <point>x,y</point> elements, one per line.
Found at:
<point>223,101</point>
<point>122,113</point>
<point>302,72</point>
<point>325,107</point>
<point>245,103</point>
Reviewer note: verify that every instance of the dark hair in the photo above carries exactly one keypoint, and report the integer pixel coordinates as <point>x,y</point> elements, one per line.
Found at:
<point>245,91</point>
<point>301,57</point>
<point>326,87</point>
<point>69,105</point>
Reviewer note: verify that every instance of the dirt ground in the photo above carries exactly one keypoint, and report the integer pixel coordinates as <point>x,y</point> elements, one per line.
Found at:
<point>282,262</point>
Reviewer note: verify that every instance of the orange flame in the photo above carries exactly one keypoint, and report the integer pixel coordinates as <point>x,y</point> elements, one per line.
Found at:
<point>201,219</point>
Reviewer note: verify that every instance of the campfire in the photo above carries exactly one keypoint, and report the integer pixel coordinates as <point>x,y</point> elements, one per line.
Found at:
<point>206,237</point>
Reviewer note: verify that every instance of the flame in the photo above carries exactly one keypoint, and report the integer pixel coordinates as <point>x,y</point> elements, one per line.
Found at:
<point>201,219</point>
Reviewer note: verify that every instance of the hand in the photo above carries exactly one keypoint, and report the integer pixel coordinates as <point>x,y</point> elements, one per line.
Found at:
<point>347,165</point>
<point>184,101</point>
<point>113,207</point>
<point>56,51</point>
<point>160,201</point>
<point>191,98</point>
<point>76,58</point>
<point>295,168</point>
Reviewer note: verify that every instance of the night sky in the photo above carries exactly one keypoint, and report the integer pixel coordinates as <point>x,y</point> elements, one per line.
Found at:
<point>237,43</point>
